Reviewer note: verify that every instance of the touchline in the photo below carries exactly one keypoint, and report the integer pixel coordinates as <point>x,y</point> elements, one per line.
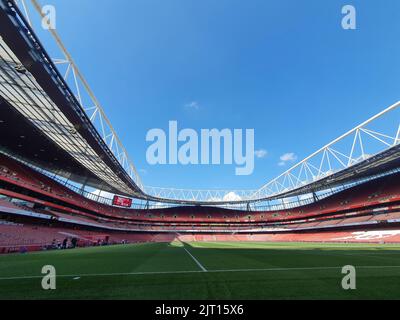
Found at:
<point>187,148</point>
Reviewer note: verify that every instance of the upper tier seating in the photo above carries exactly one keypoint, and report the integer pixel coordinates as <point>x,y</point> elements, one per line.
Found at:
<point>377,192</point>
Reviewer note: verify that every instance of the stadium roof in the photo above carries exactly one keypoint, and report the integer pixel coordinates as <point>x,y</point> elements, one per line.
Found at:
<point>56,132</point>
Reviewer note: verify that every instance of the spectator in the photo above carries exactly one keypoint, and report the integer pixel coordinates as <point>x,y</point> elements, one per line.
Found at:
<point>23,249</point>
<point>64,245</point>
<point>74,242</point>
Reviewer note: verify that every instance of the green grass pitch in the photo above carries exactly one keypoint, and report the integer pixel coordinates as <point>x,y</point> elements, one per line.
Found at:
<point>233,271</point>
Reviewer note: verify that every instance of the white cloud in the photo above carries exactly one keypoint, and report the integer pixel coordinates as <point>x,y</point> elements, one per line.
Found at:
<point>287,157</point>
<point>192,105</point>
<point>261,153</point>
<point>232,196</point>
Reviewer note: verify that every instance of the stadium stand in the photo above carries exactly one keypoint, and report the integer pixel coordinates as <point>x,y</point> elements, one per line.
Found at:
<point>28,194</point>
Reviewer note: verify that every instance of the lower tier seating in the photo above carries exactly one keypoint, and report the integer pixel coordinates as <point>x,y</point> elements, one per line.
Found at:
<point>30,237</point>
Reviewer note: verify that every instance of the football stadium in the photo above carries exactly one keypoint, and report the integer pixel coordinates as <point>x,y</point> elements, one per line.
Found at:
<point>79,221</point>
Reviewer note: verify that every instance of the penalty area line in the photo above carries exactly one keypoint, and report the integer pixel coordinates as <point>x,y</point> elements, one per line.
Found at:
<point>196,271</point>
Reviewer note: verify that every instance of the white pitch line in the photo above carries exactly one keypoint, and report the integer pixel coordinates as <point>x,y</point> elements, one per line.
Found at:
<point>193,271</point>
<point>187,251</point>
<point>103,274</point>
<point>195,260</point>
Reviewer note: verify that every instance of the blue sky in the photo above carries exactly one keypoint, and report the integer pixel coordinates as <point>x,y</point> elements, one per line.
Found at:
<point>285,68</point>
